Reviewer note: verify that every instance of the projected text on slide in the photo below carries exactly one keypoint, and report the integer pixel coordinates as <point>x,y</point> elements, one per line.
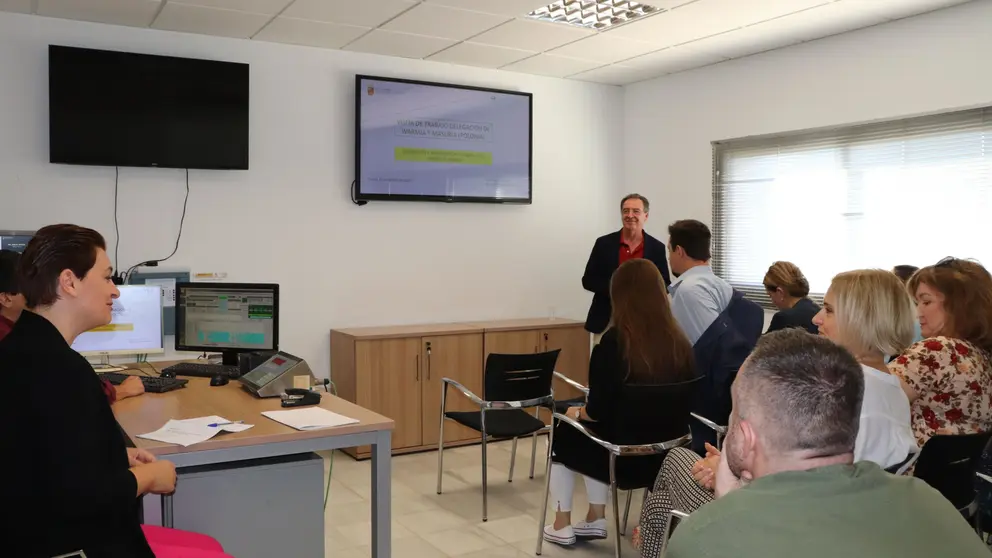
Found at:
<point>426,140</point>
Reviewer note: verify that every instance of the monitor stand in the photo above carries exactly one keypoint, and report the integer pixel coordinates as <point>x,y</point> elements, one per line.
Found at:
<point>229,358</point>
<point>105,366</point>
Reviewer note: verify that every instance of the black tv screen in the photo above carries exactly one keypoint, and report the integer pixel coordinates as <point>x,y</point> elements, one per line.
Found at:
<point>423,141</point>
<point>137,110</point>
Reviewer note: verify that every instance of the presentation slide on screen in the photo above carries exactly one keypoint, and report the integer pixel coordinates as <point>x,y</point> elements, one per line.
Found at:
<point>439,141</point>
<point>136,325</point>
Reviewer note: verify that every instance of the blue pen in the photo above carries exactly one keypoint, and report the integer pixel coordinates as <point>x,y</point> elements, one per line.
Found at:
<point>216,424</point>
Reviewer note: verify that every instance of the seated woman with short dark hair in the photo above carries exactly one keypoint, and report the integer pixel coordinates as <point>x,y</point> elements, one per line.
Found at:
<point>69,480</point>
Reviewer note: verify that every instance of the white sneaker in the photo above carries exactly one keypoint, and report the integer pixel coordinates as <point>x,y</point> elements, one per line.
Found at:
<point>564,536</point>
<point>591,529</point>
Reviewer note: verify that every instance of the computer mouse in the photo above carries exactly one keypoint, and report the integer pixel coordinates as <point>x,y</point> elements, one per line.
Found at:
<point>218,381</point>
<point>167,374</point>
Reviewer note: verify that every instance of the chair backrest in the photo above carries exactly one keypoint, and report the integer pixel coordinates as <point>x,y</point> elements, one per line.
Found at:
<point>747,316</point>
<point>654,413</point>
<point>948,464</point>
<point>519,377</point>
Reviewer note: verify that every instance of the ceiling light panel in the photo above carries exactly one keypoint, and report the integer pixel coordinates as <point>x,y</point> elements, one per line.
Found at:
<point>593,14</point>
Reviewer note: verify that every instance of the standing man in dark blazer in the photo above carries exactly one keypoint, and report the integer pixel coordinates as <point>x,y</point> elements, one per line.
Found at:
<point>612,250</point>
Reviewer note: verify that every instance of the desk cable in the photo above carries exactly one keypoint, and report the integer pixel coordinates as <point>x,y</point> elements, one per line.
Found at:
<point>330,460</point>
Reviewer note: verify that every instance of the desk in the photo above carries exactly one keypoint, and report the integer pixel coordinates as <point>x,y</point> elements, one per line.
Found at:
<point>139,415</point>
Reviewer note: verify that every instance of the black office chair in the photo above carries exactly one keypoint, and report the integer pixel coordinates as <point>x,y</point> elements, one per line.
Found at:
<point>665,406</point>
<point>512,383</point>
<point>949,463</point>
<point>983,489</point>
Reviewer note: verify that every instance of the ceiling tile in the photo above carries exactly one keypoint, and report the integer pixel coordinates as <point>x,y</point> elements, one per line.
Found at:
<point>604,48</point>
<point>533,35</point>
<point>486,56</point>
<point>209,21</point>
<point>511,8</point>
<point>447,23</point>
<point>391,43</point>
<point>349,12</point>
<point>551,65</point>
<point>703,18</point>
<point>309,33</point>
<point>137,13</point>
<point>270,7</point>
<point>896,9</point>
<point>610,75</point>
<point>672,60</point>
<point>21,6</point>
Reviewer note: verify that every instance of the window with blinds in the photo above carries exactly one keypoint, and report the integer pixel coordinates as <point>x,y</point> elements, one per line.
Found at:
<point>869,196</point>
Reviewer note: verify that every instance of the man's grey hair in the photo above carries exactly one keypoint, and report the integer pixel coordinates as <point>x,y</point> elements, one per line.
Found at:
<point>644,200</point>
<point>804,391</point>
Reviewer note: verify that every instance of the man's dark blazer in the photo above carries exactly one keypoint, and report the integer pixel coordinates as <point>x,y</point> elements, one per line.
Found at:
<point>603,261</point>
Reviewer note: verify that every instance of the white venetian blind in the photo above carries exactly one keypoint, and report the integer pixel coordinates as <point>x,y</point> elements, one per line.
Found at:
<point>869,196</point>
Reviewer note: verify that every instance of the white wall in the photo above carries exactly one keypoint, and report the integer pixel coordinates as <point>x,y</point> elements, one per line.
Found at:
<point>290,220</point>
<point>932,63</point>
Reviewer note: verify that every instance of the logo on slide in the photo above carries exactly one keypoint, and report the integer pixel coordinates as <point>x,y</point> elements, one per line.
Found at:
<point>371,91</point>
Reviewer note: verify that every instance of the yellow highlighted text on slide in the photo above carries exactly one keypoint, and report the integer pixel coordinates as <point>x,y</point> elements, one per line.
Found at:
<point>456,157</point>
<point>115,327</point>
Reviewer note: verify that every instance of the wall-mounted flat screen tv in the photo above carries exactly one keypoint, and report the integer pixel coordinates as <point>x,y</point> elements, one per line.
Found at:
<point>137,110</point>
<point>421,141</point>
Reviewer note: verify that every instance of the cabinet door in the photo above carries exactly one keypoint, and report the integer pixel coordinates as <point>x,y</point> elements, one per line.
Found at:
<point>458,357</point>
<point>389,372</point>
<point>513,342</point>
<point>573,361</point>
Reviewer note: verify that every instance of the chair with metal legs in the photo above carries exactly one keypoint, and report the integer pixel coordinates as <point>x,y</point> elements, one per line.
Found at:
<point>664,405</point>
<point>721,431</point>
<point>512,384</point>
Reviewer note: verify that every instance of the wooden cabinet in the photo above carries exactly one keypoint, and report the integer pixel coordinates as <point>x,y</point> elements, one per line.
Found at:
<point>397,371</point>
<point>390,370</point>
<point>573,361</point>
<point>458,357</point>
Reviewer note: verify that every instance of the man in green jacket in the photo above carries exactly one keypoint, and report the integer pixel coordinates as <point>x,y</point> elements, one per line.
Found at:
<point>787,484</point>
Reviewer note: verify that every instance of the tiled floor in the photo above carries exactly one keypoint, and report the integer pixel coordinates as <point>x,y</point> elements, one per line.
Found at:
<point>431,525</point>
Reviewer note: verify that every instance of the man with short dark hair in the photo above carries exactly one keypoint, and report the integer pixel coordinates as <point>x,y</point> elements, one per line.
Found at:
<point>614,249</point>
<point>11,299</point>
<point>787,484</point>
<point>698,295</point>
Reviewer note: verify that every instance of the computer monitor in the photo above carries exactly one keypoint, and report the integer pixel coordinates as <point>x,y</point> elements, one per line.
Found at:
<point>228,317</point>
<point>135,327</point>
<point>15,240</point>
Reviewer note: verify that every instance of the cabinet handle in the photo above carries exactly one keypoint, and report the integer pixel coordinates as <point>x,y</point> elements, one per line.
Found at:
<point>428,361</point>
<point>417,359</point>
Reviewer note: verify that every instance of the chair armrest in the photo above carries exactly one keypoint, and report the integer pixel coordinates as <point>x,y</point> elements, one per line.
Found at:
<point>909,463</point>
<point>547,400</point>
<point>714,426</point>
<point>984,477</point>
<point>465,391</point>
<point>572,383</point>
<point>640,449</point>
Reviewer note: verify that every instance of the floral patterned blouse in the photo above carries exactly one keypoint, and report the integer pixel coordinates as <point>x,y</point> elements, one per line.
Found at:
<point>953,379</point>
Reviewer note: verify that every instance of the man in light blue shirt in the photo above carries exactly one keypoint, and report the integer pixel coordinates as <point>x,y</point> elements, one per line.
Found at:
<point>698,296</point>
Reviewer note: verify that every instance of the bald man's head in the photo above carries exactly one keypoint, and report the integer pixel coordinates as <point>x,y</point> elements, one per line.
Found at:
<point>800,393</point>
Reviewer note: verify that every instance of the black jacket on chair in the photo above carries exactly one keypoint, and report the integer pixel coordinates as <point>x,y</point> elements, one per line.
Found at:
<point>603,261</point>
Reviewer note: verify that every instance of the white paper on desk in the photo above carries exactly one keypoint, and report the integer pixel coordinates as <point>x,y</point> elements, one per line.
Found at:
<point>309,418</point>
<point>192,431</point>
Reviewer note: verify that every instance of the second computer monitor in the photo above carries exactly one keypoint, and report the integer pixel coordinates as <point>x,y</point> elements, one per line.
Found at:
<point>135,327</point>
<point>228,317</point>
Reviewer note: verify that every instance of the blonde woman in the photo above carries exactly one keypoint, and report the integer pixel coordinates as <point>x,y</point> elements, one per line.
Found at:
<point>870,314</point>
<point>789,291</point>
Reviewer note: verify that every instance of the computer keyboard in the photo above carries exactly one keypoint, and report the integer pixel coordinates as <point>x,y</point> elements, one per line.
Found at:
<point>199,370</point>
<point>151,383</point>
